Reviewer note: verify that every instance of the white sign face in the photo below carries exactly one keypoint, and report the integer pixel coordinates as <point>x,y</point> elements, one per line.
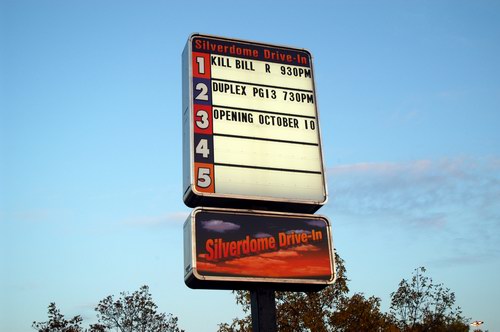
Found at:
<point>251,124</point>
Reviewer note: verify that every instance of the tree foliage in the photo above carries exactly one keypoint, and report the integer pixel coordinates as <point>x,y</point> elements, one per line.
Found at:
<point>417,306</point>
<point>357,313</point>
<point>310,311</point>
<point>421,305</point>
<point>134,312</point>
<point>57,322</point>
<point>321,311</point>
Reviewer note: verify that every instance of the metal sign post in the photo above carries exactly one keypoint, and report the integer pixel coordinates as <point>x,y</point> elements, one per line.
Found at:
<point>263,310</point>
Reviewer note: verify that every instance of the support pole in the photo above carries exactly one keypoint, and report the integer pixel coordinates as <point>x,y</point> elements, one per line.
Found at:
<point>263,310</point>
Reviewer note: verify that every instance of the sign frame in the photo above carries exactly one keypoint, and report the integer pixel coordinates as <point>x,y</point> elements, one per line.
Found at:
<point>195,279</point>
<point>194,197</point>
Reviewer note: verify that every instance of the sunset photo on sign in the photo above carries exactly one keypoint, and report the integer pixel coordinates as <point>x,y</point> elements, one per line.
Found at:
<point>263,247</point>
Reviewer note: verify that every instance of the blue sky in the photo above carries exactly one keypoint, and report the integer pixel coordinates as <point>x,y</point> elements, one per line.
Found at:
<point>90,132</point>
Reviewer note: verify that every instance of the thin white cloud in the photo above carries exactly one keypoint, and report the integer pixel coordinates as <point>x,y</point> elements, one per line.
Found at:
<point>446,199</point>
<point>172,218</point>
<point>219,226</point>
<point>408,189</point>
<point>457,260</point>
<point>30,216</point>
<point>262,235</point>
<point>317,223</point>
<point>298,231</point>
<point>406,116</point>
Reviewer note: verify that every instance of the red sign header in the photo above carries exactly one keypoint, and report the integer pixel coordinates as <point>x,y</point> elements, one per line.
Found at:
<point>251,51</point>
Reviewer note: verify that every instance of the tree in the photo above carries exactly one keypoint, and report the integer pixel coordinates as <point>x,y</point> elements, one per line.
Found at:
<point>360,314</point>
<point>310,311</point>
<point>317,311</point>
<point>421,305</point>
<point>243,324</point>
<point>133,313</point>
<point>57,322</point>
<point>416,306</point>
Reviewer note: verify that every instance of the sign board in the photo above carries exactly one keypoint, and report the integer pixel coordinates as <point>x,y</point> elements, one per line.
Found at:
<point>250,126</point>
<point>244,249</point>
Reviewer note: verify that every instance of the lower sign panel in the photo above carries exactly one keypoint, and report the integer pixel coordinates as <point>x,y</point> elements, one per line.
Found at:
<point>244,249</point>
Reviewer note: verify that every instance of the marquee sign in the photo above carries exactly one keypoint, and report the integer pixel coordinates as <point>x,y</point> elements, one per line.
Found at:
<point>231,249</point>
<point>250,126</point>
